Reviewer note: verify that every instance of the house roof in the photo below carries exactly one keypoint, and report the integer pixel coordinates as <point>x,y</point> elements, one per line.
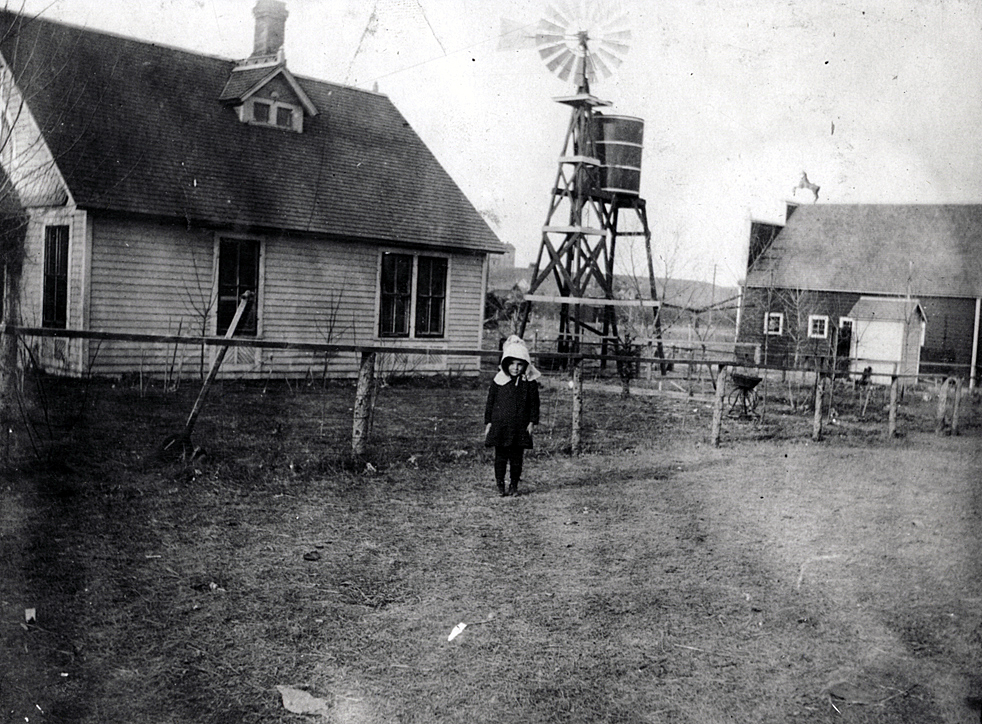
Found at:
<point>924,250</point>
<point>890,309</point>
<point>246,79</point>
<point>141,128</point>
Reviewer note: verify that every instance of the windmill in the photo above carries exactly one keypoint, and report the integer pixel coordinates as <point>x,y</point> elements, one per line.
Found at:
<point>598,180</point>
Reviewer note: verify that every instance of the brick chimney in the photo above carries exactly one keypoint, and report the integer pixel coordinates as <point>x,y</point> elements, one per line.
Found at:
<point>270,27</point>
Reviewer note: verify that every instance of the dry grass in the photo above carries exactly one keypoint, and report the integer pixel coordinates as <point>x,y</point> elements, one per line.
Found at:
<point>652,579</point>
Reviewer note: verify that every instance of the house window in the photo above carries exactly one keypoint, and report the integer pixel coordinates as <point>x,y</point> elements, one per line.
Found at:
<point>431,296</point>
<point>54,303</point>
<point>284,117</point>
<point>260,112</point>
<point>774,323</point>
<point>818,326</point>
<point>412,296</point>
<point>272,113</point>
<point>238,272</point>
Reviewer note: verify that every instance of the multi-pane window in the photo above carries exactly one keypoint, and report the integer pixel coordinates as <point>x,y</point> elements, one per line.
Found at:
<point>54,302</point>
<point>431,295</point>
<point>284,117</point>
<point>412,296</point>
<point>818,326</point>
<point>260,112</point>
<point>238,272</point>
<point>396,295</point>
<point>774,323</point>
<point>272,113</point>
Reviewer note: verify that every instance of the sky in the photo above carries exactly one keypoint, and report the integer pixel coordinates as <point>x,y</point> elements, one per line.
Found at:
<point>878,102</point>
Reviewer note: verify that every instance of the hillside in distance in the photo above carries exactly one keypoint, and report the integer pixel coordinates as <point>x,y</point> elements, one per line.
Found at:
<point>685,293</point>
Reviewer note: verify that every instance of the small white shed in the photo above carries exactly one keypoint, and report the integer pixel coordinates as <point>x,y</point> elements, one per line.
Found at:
<point>887,335</point>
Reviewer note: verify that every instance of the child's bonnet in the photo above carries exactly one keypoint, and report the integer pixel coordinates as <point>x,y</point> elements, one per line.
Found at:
<point>514,348</point>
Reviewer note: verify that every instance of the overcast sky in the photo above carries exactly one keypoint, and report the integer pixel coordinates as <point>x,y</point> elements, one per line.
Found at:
<point>879,102</point>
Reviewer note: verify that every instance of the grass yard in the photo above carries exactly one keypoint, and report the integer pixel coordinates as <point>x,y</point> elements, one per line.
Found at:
<point>652,579</point>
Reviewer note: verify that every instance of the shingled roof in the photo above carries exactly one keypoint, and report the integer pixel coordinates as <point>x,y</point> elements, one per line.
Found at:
<point>140,128</point>
<point>927,250</point>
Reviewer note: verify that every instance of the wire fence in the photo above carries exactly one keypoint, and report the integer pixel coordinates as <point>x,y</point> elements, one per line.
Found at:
<point>698,369</point>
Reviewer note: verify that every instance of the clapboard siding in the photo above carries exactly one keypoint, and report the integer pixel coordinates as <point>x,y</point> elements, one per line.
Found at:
<point>152,279</point>
<point>947,338</point>
<point>950,327</point>
<point>157,279</point>
<point>307,284</point>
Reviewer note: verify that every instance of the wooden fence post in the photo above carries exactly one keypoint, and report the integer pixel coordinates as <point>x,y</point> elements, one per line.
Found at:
<point>894,390</point>
<point>955,405</point>
<point>942,407</point>
<point>817,419</point>
<point>718,405</point>
<point>576,377</point>
<point>363,403</point>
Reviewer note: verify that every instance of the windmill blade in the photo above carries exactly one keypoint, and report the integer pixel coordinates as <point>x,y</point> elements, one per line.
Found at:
<point>599,66</point>
<point>516,36</point>
<point>581,38</point>
<point>560,15</point>
<point>607,59</point>
<point>548,51</point>
<point>562,63</point>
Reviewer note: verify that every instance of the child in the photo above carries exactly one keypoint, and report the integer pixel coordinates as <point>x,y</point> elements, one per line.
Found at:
<point>511,411</point>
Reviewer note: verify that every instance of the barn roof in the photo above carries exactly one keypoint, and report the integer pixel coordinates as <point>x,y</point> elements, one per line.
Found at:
<point>925,250</point>
<point>141,128</point>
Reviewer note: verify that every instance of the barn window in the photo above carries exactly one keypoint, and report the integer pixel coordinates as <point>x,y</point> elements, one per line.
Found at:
<point>54,312</point>
<point>774,323</point>
<point>818,326</point>
<point>412,295</point>
<point>238,272</point>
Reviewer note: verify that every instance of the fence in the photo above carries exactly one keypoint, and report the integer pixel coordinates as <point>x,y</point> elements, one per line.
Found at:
<point>573,362</point>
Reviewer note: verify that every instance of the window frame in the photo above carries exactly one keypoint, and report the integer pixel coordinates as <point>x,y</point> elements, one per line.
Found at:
<point>254,312</point>
<point>780,323</point>
<point>415,297</point>
<point>419,297</point>
<point>54,311</point>
<point>824,319</point>
<point>247,113</point>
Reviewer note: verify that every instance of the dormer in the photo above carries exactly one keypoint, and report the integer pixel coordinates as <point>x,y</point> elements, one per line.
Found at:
<point>260,87</point>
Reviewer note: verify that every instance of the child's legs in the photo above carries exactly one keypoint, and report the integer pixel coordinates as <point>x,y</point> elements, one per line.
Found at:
<point>517,458</point>
<point>505,456</point>
<point>501,455</point>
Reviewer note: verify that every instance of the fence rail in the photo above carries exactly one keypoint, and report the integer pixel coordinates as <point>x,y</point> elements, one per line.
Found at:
<point>364,396</point>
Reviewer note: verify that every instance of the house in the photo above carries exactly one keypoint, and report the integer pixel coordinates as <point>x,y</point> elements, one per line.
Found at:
<point>147,188</point>
<point>820,284</point>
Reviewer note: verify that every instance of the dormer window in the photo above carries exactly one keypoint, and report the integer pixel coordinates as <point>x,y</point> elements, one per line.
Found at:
<point>269,112</point>
<point>260,112</point>
<point>260,88</point>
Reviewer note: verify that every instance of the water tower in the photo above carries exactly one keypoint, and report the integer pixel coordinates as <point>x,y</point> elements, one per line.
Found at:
<point>595,199</point>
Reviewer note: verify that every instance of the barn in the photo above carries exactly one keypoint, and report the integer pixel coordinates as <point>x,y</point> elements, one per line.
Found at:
<point>810,280</point>
<point>147,188</point>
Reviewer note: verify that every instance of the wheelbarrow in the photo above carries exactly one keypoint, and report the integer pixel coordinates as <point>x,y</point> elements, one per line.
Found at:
<point>743,399</point>
<point>182,440</point>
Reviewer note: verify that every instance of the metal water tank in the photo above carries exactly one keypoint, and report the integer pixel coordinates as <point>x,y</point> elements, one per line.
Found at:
<point>618,144</point>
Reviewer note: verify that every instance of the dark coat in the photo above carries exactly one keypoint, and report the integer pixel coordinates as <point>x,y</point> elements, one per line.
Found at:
<point>510,409</point>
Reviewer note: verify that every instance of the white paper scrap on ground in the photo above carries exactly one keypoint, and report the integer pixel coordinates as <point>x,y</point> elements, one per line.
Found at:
<point>30,614</point>
<point>457,630</point>
<point>300,702</point>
